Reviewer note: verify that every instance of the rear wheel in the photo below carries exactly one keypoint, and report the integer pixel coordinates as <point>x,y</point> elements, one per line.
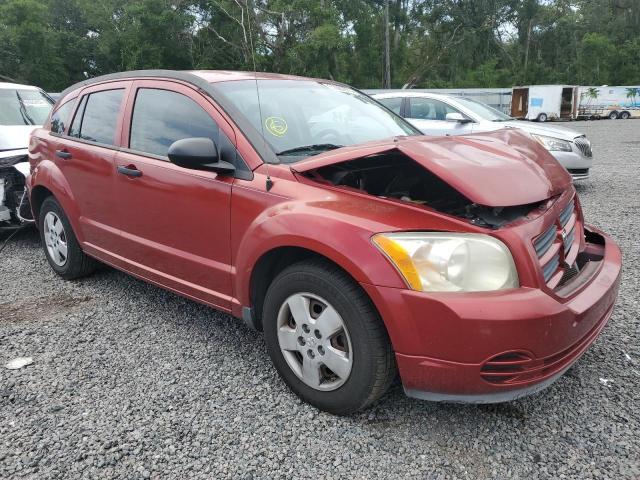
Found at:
<point>326,339</point>
<point>613,115</point>
<point>542,117</point>
<point>60,244</point>
<point>624,115</point>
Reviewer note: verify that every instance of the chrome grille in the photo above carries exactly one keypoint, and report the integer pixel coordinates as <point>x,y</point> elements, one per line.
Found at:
<point>584,146</point>
<point>567,237</point>
<point>558,240</point>
<point>550,268</point>
<point>565,215</point>
<point>544,241</point>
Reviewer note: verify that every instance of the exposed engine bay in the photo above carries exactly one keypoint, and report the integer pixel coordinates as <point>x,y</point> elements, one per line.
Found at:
<point>393,175</point>
<point>14,202</point>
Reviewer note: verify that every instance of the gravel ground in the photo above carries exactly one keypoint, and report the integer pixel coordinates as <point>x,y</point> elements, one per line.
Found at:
<point>130,381</point>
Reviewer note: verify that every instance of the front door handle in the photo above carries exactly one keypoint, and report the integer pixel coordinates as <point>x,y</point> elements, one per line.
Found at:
<point>63,154</point>
<point>129,171</point>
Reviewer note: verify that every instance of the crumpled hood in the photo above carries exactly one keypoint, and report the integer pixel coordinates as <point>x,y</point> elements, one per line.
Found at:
<point>497,169</point>
<point>13,137</point>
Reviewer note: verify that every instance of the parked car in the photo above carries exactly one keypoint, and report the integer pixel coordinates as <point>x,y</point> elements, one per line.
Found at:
<point>22,108</point>
<point>360,247</point>
<point>436,114</point>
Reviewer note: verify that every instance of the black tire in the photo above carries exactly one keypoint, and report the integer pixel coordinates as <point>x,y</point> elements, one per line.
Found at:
<point>542,117</point>
<point>77,264</point>
<point>613,115</point>
<point>624,115</point>
<point>373,368</point>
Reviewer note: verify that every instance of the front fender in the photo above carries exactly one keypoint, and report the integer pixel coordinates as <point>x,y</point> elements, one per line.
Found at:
<point>333,235</point>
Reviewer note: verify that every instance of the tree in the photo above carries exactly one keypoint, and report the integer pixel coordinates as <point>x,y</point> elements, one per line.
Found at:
<point>387,57</point>
<point>368,43</point>
<point>595,59</point>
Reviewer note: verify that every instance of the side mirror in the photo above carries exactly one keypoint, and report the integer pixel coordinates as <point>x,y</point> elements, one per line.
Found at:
<point>198,154</point>
<point>456,117</point>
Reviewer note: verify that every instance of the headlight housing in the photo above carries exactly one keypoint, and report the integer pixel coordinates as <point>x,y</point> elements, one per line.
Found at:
<point>449,262</point>
<point>553,144</point>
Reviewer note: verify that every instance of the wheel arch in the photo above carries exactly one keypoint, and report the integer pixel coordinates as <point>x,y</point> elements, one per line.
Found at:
<point>270,264</point>
<point>48,181</point>
<point>38,195</point>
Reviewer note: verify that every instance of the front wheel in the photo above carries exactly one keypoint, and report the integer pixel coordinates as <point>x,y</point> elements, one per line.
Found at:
<point>613,115</point>
<point>326,339</point>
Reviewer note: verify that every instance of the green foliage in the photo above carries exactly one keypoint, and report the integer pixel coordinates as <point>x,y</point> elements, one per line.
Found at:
<point>433,43</point>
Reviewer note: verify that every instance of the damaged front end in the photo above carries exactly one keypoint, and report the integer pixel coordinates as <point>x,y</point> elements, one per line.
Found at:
<point>15,210</point>
<point>489,180</point>
<point>395,176</point>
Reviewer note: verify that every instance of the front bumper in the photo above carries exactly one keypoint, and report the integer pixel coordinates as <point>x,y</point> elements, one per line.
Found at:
<point>575,162</point>
<point>489,347</point>
<point>579,173</point>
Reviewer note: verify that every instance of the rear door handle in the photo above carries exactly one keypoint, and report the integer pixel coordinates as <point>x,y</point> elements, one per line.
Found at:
<point>129,171</point>
<point>63,154</point>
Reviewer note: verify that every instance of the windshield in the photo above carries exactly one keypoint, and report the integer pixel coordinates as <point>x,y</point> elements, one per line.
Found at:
<point>301,118</point>
<point>483,111</point>
<point>23,107</point>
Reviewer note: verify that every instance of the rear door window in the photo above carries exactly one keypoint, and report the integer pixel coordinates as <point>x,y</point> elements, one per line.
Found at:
<point>394,104</point>
<point>97,117</point>
<point>160,117</point>
<point>429,109</point>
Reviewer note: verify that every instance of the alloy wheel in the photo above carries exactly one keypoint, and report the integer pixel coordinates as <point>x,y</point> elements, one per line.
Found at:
<point>55,239</point>
<point>314,341</point>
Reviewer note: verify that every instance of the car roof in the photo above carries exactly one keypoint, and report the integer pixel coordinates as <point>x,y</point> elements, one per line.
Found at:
<point>199,78</point>
<point>15,86</point>
<point>403,94</point>
<point>205,81</point>
<point>214,76</point>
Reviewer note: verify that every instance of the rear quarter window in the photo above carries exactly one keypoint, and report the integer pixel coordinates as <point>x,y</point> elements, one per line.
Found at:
<point>60,118</point>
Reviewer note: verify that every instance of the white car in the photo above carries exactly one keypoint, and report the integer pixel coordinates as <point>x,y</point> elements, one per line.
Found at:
<point>437,114</point>
<point>22,109</point>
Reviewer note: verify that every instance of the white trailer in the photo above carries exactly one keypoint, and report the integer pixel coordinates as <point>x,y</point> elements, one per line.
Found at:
<point>609,102</point>
<point>544,102</point>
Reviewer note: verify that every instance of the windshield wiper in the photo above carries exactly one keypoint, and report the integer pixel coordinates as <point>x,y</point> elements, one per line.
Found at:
<point>320,147</point>
<point>23,111</point>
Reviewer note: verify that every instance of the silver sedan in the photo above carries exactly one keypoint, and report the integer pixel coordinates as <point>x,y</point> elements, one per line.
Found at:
<point>438,114</point>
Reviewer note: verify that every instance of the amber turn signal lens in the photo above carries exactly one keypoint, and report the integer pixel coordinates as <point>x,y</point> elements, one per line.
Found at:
<point>400,258</point>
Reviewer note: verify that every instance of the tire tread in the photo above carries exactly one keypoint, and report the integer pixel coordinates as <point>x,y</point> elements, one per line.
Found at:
<point>79,264</point>
<point>385,371</point>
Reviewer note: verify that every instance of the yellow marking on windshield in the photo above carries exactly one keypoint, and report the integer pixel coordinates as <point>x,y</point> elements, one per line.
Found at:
<point>277,126</point>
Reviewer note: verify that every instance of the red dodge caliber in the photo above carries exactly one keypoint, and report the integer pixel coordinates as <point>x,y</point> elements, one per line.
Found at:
<point>362,249</point>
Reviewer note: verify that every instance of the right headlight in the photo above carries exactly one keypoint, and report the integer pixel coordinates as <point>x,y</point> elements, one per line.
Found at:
<point>553,144</point>
<point>449,262</point>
